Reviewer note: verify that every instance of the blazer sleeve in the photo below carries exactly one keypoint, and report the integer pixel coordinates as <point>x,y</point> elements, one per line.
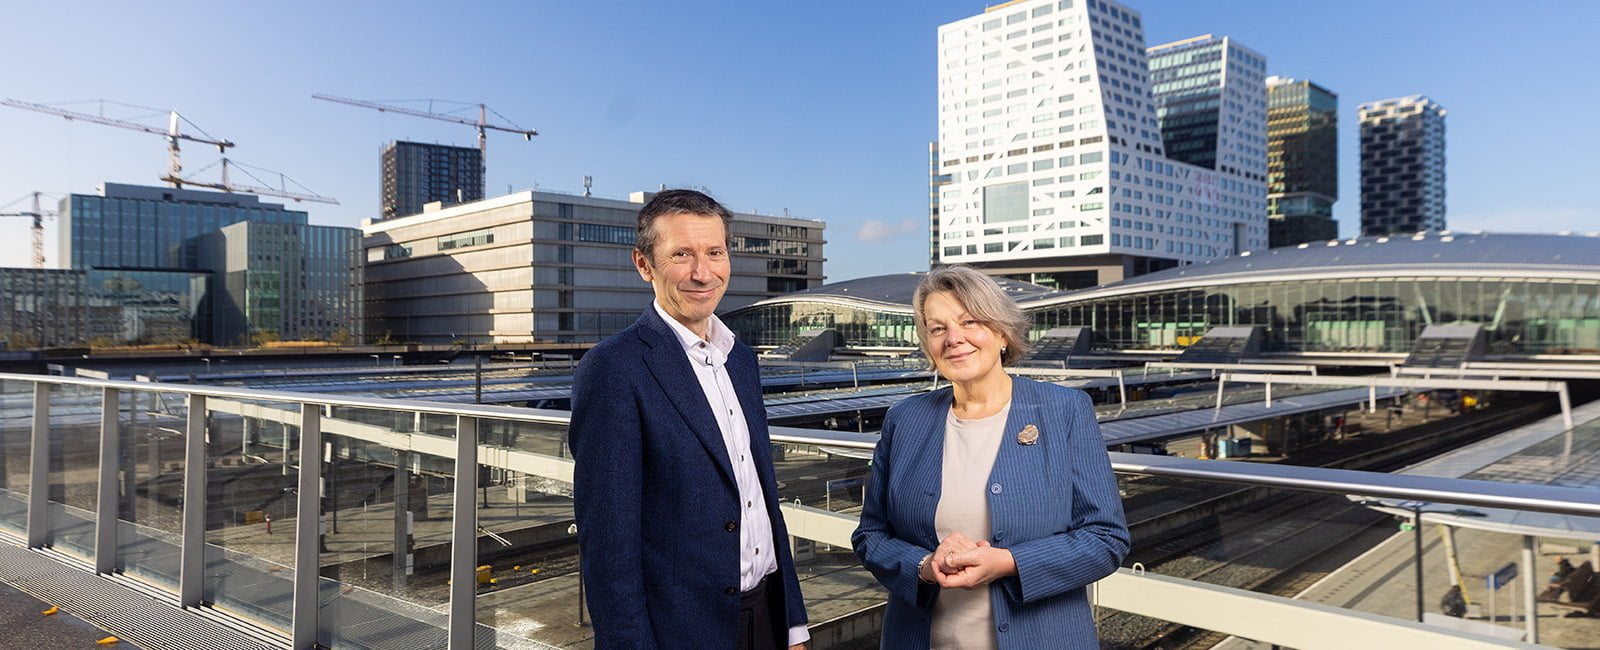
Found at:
<point>887,555</point>
<point>1097,538</point>
<point>607,447</point>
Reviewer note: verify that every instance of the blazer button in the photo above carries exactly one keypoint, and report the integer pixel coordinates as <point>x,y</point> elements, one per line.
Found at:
<point>730,591</point>
<point>1004,627</point>
<point>998,535</point>
<point>732,526</point>
<point>994,488</point>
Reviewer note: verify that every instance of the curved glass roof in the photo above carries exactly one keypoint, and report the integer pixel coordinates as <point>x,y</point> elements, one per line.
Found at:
<point>1433,253</point>
<point>1428,253</point>
<point>895,290</point>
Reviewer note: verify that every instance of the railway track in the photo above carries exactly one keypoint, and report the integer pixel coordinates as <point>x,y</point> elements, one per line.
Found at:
<point>1280,542</point>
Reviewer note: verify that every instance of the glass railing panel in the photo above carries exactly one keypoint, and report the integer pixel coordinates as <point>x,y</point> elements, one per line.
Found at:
<point>386,506</point>
<point>537,437</point>
<point>16,431</point>
<point>73,463</point>
<point>252,476</point>
<point>153,431</point>
<point>527,591</point>
<point>1355,553</point>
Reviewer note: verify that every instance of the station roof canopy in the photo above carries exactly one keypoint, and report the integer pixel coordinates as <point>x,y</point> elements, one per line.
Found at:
<point>1426,254</point>
<point>893,291</point>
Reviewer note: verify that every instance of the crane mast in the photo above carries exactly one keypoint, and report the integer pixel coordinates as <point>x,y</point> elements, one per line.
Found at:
<point>38,214</point>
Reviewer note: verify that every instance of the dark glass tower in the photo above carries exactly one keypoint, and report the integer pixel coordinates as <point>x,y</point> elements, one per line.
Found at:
<point>415,174</point>
<point>1302,162</point>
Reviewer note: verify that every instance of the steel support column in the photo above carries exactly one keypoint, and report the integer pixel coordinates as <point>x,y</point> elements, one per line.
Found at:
<point>107,504</point>
<point>192,559</point>
<point>39,469</point>
<point>464,537</point>
<point>1529,577</point>
<point>308,528</point>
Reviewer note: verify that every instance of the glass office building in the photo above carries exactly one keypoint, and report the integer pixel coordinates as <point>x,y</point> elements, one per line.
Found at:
<point>1532,295</point>
<point>70,308</point>
<point>133,226</point>
<point>1302,162</point>
<point>278,281</point>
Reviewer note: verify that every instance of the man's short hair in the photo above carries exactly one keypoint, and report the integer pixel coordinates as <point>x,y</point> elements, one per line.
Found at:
<point>674,202</point>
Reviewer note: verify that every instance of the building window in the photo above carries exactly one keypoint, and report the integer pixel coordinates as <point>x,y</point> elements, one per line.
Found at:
<point>1005,202</point>
<point>591,232</point>
<point>466,239</point>
<point>396,251</point>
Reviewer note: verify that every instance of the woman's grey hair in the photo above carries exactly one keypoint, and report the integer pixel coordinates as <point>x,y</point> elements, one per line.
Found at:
<point>983,298</point>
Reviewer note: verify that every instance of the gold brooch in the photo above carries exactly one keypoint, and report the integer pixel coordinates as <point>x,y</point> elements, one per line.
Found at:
<point>1028,436</point>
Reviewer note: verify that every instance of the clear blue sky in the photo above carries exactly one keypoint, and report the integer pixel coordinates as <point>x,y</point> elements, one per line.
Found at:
<point>823,108</point>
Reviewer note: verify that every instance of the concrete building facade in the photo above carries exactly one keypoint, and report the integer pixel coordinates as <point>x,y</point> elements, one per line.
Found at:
<point>1402,166</point>
<point>545,266</point>
<point>1302,162</point>
<point>416,174</point>
<point>1058,175</point>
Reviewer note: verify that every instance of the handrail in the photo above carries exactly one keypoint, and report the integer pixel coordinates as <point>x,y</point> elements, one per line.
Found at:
<point>1488,494</point>
<point>1516,496</point>
<point>539,416</point>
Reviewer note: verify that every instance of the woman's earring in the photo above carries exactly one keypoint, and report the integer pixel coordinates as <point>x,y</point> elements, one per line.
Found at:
<point>1003,349</point>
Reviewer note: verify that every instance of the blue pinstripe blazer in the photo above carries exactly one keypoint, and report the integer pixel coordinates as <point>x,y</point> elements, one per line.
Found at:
<point>1053,504</point>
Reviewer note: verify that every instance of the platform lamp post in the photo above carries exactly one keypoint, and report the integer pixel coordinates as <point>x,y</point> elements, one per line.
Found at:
<point>1417,509</point>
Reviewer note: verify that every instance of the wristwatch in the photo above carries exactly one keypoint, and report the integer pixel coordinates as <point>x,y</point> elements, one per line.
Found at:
<point>922,564</point>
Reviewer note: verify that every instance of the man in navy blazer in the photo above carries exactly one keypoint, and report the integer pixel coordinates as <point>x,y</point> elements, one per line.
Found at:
<point>682,542</point>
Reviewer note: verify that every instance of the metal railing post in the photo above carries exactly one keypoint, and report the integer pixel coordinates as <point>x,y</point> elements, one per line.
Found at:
<point>39,469</point>
<point>106,504</point>
<point>308,528</point>
<point>464,537</point>
<point>192,558</point>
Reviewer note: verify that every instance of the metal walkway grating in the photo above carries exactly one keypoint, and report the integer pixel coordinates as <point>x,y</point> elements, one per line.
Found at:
<point>133,616</point>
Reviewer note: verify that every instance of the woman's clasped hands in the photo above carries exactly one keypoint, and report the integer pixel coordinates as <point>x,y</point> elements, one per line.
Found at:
<point>960,563</point>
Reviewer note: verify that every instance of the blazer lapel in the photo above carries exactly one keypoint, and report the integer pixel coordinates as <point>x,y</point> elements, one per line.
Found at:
<point>670,367</point>
<point>929,467</point>
<point>1017,465</point>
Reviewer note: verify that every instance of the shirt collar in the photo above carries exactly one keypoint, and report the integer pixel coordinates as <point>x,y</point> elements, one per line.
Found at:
<point>719,335</point>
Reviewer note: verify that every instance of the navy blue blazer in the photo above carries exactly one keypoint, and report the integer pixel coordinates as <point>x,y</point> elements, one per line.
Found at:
<point>655,498</point>
<point>1054,504</point>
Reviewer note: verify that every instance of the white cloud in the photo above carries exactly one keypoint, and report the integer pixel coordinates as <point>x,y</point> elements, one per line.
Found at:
<point>874,231</point>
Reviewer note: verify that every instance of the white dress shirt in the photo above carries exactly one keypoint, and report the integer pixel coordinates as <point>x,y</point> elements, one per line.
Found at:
<point>709,359</point>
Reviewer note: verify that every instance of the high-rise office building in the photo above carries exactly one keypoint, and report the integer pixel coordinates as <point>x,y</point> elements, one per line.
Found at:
<point>135,226</point>
<point>543,266</point>
<point>416,174</point>
<point>936,181</point>
<point>1302,162</point>
<point>1211,100</point>
<point>1049,133</point>
<point>1402,166</point>
<point>277,281</point>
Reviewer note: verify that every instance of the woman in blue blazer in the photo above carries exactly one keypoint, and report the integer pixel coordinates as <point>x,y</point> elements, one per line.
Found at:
<point>992,503</point>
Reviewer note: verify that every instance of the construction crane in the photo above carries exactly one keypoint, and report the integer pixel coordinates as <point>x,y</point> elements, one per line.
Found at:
<point>38,216</point>
<point>226,185</point>
<point>173,133</point>
<point>482,123</point>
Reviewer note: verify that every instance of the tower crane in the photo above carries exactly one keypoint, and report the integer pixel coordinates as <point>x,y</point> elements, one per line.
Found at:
<point>482,123</point>
<point>38,215</point>
<point>173,133</point>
